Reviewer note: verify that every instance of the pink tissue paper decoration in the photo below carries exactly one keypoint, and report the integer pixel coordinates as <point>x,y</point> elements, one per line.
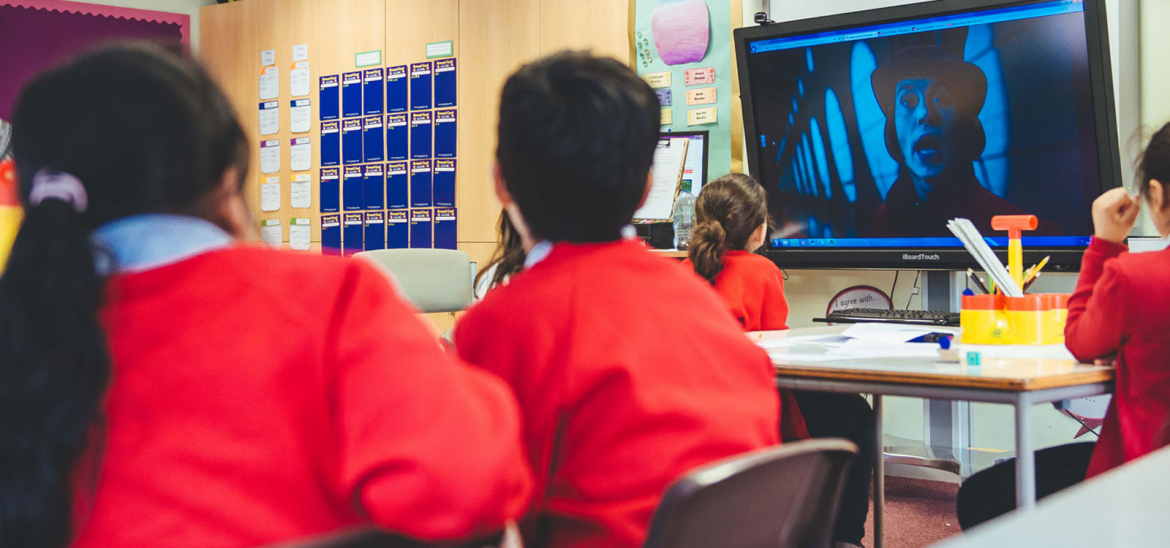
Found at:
<point>681,30</point>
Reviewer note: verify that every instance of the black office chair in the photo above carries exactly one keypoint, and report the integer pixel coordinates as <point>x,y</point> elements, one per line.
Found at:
<point>783,497</point>
<point>372,538</point>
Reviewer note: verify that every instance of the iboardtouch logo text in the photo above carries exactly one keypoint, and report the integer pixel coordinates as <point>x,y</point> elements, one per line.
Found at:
<point>919,257</point>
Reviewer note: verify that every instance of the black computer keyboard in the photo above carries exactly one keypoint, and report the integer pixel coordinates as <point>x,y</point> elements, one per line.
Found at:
<point>921,317</point>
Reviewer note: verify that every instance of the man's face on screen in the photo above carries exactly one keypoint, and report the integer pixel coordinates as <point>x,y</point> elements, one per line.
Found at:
<point>924,118</point>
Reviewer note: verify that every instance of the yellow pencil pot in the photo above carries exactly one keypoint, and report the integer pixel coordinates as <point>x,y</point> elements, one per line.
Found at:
<point>982,320</point>
<point>1026,318</point>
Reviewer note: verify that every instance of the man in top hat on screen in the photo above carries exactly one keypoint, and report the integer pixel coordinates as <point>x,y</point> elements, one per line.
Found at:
<point>931,99</point>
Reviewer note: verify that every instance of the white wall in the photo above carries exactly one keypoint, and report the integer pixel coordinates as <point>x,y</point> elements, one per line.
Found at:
<point>809,292</point>
<point>186,7</point>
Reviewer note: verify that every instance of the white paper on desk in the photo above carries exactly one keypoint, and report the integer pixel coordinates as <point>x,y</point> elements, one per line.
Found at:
<point>669,159</point>
<point>788,342</point>
<point>269,118</point>
<point>300,116</point>
<point>300,154</point>
<point>301,192</point>
<point>270,194</point>
<point>298,79</point>
<point>857,348</point>
<point>787,355</point>
<point>891,332</point>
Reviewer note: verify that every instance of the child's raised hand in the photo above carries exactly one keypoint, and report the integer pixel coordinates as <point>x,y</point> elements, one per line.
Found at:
<point>1114,213</point>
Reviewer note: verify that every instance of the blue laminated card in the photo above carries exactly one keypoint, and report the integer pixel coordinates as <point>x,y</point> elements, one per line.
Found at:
<point>397,137</point>
<point>331,234</point>
<point>397,185</point>
<point>351,141</point>
<point>352,232</point>
<point>396,86</point>
<point>445,88</point>
<point>420,228</point>
<point>330,143</point>
<point>330,190</point>
<point>397,229</point>
<point>445,228</point>
<point>372,87</point>
<point>420,86</point>
<point>351,94</point>
<point>372,186</point>
<point>420,135</point>
<point>375,230</point>
<point>352,198</point>
<point>372,139</point>
<point>444,183</point>
<point>420,183</point>
<point>330,98</point>
<point>445,134</point>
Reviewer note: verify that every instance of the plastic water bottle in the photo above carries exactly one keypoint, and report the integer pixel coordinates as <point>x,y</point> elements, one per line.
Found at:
<point>684,216</point>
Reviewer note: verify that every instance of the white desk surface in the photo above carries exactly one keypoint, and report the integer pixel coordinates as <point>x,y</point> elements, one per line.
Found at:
<point>1126,507</point>
<point>1013,374</point>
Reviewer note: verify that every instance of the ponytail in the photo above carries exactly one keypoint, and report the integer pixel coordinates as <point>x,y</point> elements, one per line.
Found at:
<point>708,244</point>
<point>54,369</point>
<point>124,130</point>
<point>727,212</point>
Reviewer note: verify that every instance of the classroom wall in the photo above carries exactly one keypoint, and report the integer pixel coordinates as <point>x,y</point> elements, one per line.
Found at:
<point>185,7</point>
<point>491,40</point>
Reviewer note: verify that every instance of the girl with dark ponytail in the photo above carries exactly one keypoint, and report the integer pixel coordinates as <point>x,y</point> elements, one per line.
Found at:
<point>161,384</point>
<point>731,223</point>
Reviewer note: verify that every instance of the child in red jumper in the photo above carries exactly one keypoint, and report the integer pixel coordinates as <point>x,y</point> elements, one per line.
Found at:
<point>731,223</point>
<point>1118,313</point>
<point>630,372</point>
<point>164,385</point>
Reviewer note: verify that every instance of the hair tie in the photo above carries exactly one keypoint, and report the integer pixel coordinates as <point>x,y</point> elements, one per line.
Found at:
<point>58,186</point>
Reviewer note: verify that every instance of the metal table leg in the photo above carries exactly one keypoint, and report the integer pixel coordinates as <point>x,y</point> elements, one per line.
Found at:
<point>879,476</point>
<point>1025,454</point>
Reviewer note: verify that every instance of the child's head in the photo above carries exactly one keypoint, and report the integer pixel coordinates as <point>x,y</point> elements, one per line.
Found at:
<point>120,131</point>
<point>731,213</point>
<point>1153,175</point>
<point>577,135</point>
<point>144,130</point>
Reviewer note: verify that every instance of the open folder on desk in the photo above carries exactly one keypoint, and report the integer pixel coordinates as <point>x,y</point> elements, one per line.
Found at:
<point>669,160</point>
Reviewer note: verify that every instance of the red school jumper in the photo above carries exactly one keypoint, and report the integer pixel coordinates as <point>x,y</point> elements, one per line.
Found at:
<point>1122,304</point>
<point>630,373</point>
<point>753,288</point>
<point>260,396</point>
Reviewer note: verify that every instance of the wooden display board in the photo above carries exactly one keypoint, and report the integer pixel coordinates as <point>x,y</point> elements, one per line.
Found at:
<point>490,40</point>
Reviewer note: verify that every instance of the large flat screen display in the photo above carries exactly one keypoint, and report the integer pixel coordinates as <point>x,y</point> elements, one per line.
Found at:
<point>870,131</point>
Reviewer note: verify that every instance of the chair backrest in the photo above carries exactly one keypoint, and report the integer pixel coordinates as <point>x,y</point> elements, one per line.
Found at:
<point>366,537</point>
<point>435,280</point>
<point>782,497</point>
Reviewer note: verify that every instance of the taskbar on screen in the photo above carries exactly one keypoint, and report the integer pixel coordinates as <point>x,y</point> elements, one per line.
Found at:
<point>902,243</point>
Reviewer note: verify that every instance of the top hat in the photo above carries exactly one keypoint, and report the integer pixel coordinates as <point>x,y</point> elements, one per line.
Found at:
<point>936,56</point>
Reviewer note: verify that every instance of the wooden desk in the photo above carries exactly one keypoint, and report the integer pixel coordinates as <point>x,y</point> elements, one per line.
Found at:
<point>1121,509</point>
<point>672,253</point>
<point>1021,383</point>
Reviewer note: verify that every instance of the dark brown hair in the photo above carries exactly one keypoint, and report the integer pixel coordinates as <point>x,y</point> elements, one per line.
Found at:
<point>1155,164</point>
<point>509,255</point>
<point>577,135</point>
<point>727,211</point>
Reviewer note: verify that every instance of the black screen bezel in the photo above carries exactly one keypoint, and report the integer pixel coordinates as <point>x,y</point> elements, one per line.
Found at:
<point>1104,118</point>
